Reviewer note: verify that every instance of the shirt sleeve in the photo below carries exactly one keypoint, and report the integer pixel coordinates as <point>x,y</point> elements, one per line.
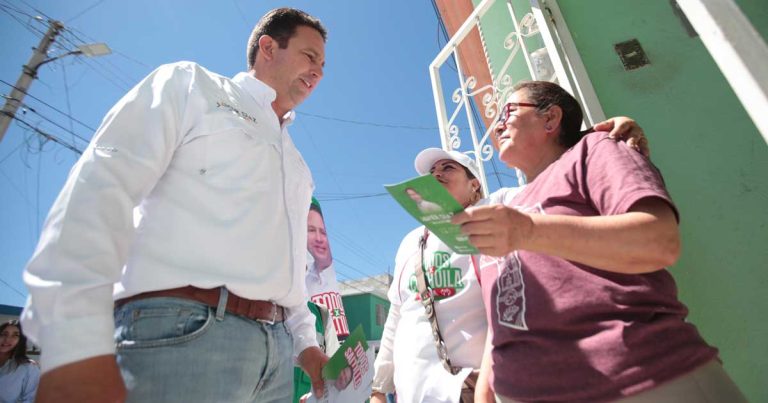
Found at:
<point>301,324</point>
<point>384,367</point>
<point>31,379</point>
<point>501,196</point>
<point>617,176</point>
<point>86,237</point>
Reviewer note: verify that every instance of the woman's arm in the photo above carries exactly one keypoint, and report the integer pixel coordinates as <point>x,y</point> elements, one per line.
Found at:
<point>483,391</point>
<point>643,240</point>
<point>384,367</point>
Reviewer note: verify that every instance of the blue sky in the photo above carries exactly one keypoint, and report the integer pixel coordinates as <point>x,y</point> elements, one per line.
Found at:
<point>360,129</point>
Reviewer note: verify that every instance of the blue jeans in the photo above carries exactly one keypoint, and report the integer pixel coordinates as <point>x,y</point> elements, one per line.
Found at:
<point>178,350</point>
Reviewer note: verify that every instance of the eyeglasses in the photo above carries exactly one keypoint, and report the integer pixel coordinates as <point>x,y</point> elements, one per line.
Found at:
<point>506,110</point>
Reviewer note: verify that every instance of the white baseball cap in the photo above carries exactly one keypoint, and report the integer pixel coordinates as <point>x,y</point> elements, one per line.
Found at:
<point>427,158</point>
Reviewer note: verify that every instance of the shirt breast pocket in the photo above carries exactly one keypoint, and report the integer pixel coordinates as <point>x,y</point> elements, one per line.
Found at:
<point>236,160</point>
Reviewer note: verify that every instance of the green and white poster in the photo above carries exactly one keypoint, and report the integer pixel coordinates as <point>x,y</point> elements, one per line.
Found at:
<point>430,203</point>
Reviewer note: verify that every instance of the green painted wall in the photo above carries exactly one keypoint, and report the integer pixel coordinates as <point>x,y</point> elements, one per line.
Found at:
<point>757,13</point>
<point>713,158</point>
<point>361,310</point>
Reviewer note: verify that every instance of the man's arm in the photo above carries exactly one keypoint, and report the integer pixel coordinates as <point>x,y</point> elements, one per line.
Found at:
<point>85,241</point>
<point>92,380</point>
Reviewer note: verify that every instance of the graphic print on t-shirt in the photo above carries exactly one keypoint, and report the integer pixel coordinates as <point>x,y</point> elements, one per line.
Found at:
<point>444,280</point>
<point>510,289</point>
<point>510,286</point>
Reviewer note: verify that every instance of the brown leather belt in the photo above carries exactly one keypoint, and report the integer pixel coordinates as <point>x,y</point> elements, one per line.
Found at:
<point>265,311</point>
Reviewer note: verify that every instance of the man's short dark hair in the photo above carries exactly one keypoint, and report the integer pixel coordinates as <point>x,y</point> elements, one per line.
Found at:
<point>280,24</point>
<point>316,208</point>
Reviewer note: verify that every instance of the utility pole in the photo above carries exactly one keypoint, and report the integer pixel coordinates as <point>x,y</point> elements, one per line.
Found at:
<point>28,73</point>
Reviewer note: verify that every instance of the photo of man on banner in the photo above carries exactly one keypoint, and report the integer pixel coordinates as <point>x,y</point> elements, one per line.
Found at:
<point>322,287</point>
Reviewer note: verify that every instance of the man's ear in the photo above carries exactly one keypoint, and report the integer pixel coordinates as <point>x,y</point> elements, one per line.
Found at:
<point>266,46</point>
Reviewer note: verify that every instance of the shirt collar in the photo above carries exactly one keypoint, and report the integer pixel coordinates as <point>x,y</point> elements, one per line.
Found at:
<point>262,93</point>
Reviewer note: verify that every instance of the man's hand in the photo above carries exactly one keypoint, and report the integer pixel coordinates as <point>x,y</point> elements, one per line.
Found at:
<point>312,360</point>
<point>378,397</point>
<point>95,379</point>
<point>495,230</point>
<point>626,129</point>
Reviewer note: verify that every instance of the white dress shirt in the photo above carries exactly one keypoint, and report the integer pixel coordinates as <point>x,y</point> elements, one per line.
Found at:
<point>223,194</point>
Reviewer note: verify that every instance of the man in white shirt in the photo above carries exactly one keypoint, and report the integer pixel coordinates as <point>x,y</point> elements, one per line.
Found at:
<point>208,290</point>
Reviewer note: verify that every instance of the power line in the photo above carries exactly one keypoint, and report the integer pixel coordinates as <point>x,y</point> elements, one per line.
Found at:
<point>77,33</point>
<point>56,124</point>
<point>364,123</point>
<point>336,182</point>
<point>361,272</point>
<point>126,78</point>
<point>49,105</point>
<point>26,25</point>
<point>12,288</point>
<point>356,250</point>
<point>36,10</point>
<point>87,9</point>
<point>350,279</point>
<point>362,250</point>
<point>242,15</point>
<point>49,136</point>
<point>37,194</point>
<point>11,153</point>
<point>16,188</point>
<point>17,10</point>
<point>66,96</point>
<point>343,198</point>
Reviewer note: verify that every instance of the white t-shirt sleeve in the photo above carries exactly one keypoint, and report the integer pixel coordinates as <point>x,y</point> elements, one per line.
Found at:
<point>384,369</point>
<point>502,196</point>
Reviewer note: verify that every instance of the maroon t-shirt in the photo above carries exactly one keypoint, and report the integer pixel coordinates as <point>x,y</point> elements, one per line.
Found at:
<point>564,331</point>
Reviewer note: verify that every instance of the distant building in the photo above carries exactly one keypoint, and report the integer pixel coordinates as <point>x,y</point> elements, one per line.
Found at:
<point>8,312</point>
<point>365,301</point>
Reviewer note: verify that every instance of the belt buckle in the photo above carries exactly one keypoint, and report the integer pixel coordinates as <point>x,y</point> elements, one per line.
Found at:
<point>274,315</point>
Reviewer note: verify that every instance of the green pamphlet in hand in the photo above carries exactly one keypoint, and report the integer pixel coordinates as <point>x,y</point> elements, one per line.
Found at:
<point>348,373</point>
<point>430,203</point>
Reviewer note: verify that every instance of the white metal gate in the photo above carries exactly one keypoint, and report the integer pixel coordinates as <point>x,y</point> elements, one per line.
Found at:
<point>557,61</point>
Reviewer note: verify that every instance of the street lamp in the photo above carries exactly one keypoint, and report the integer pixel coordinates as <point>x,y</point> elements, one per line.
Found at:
<point>29,71</point>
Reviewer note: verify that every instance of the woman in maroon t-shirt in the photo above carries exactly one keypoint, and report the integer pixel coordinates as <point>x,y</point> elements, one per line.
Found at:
<point>579,303</point>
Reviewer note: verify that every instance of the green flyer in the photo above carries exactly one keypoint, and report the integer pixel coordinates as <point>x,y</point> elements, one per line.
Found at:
<point>430,203</point>
<point>348,373</point>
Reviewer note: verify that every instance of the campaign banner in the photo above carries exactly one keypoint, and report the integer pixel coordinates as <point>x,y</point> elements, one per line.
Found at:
<point>430,203</point>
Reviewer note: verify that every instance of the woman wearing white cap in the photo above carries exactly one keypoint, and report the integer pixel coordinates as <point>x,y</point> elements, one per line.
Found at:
<point>408,361</point>
<point>408,357</point>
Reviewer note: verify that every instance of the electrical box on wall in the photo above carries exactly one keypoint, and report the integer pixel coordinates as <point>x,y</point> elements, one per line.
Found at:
<point>631,54</point>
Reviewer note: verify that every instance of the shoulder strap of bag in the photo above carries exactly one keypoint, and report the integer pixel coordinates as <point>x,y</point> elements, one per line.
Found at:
<point>425,293</point>
<point>476,266</point>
